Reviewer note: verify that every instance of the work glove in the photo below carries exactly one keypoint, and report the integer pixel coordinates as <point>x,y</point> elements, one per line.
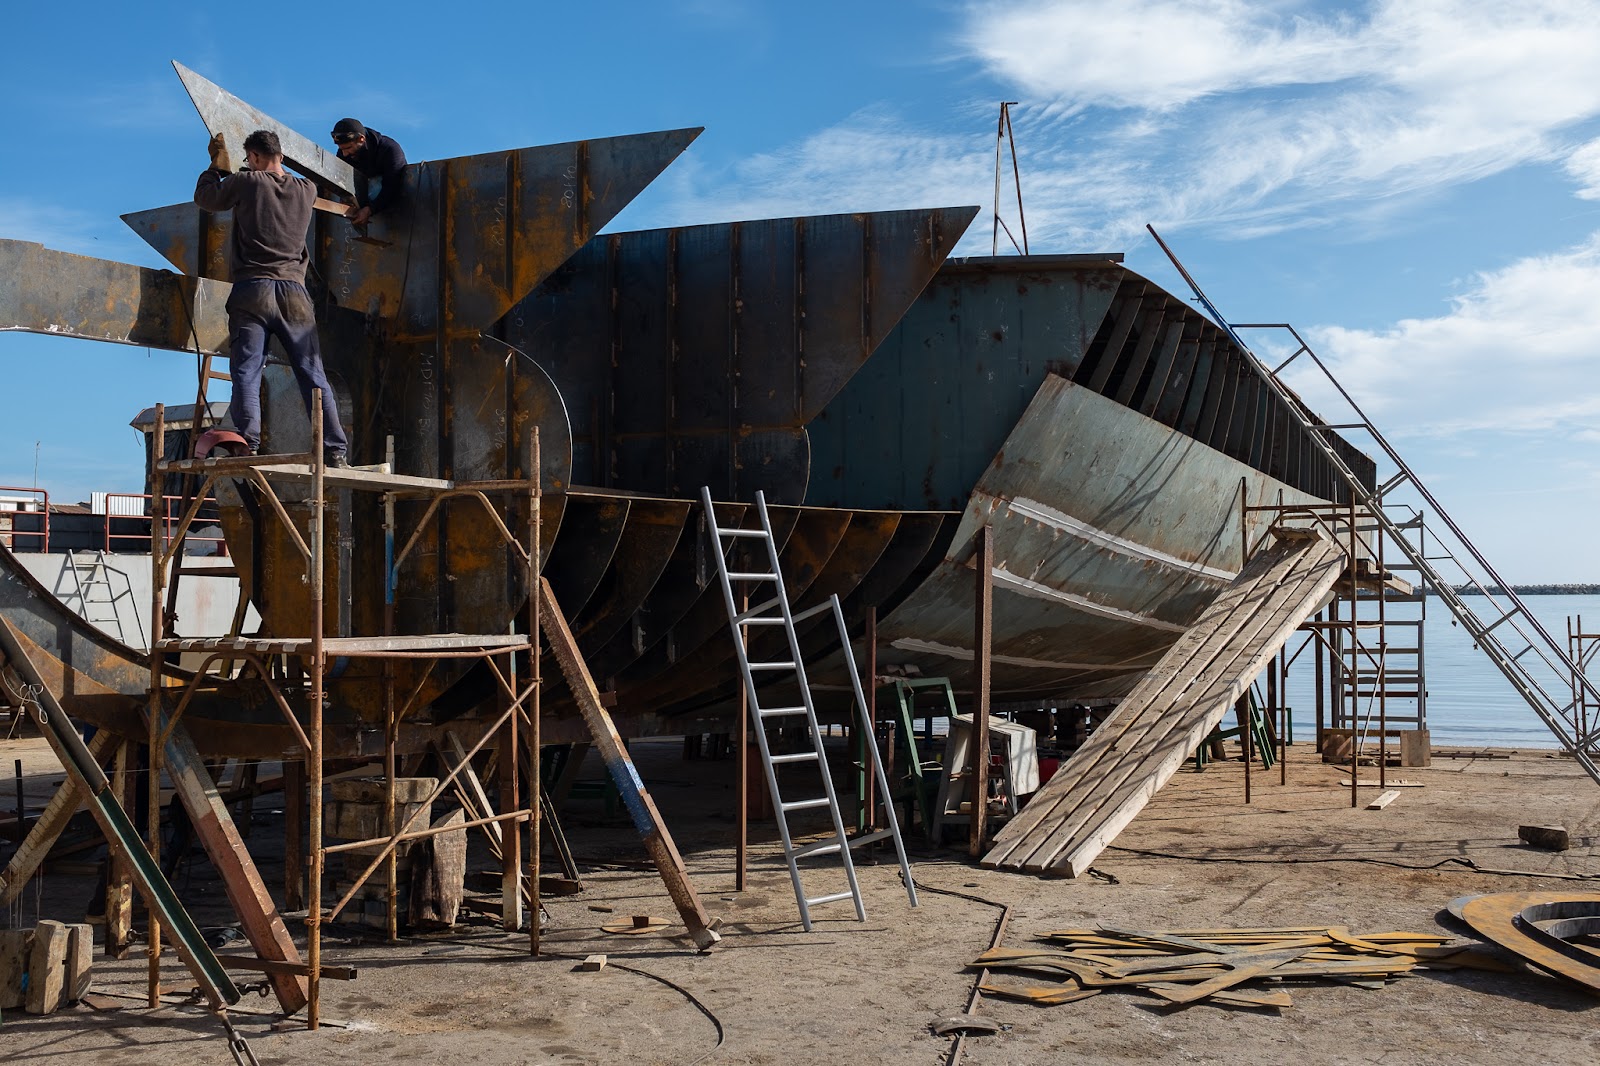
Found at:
<point>220,160</point>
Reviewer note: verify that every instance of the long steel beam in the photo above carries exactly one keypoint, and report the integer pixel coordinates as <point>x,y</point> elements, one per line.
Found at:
<point>46,291</point>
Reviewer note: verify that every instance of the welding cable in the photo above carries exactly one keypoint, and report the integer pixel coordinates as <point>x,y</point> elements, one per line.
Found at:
<point>958,1042</point>
<point>1457,860</point>
<point>722,1034</point>
<point>922,887</point>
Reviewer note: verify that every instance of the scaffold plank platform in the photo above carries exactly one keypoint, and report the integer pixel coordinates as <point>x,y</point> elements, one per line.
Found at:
<point>442,645</point>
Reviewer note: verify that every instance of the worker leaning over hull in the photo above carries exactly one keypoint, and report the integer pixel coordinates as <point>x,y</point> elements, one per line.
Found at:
<point>377,159</point>
<point>271,213</point>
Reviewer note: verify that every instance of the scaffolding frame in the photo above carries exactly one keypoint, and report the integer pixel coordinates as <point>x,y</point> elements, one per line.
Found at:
<point>1338,638</point>
<point>313,652</point>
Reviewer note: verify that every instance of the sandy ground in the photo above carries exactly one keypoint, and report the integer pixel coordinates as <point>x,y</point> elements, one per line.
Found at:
<point>868,992</point>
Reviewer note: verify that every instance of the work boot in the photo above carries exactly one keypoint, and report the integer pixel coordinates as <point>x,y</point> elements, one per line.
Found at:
<point>336,460</point>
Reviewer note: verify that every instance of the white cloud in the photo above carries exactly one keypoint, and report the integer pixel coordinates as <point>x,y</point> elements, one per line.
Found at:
<point>1518,351</point>
<point>1159,53</point>
<point>1247,118</point>
<point>1273,115</point>
<point>873,161</point>
<point>1583,166</point>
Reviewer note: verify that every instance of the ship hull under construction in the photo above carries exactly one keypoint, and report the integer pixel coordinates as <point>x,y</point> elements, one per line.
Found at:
<point>888,402</point>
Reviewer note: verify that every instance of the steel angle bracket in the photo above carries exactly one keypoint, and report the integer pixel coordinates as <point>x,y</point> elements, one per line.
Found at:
<point>1538,927</point>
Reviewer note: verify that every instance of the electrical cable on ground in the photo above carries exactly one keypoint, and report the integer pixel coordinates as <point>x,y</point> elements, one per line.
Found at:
<point>958,1042</point>
<point>1457,860</point>
<point>722,1034</point>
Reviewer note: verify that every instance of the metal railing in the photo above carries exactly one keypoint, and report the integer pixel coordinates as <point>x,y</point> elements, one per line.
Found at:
<point>171,512</point>
<point>8,518</point>
<point>1541,667</point>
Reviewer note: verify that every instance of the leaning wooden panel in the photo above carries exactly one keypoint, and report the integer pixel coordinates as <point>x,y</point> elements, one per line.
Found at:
<point>1152,765</point>
<point>1107,783</point>
<point>1055,801</point>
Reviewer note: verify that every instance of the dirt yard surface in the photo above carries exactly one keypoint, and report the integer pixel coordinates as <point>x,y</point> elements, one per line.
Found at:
<point>1198,857</point>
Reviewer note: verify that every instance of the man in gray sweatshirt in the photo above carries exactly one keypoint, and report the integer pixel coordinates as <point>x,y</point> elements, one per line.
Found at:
<point>271,213</point>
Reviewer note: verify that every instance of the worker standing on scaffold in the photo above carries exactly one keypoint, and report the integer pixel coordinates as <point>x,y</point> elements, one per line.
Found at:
<point>271,214</point>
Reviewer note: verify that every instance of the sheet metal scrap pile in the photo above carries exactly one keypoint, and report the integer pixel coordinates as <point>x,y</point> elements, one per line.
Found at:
<point>1196,965</point>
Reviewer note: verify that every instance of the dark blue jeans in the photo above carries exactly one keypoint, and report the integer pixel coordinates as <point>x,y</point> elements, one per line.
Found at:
<point>281,309</point>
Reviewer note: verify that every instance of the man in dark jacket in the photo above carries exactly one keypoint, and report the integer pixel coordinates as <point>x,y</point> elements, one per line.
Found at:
<point>271,213</point>
<point>377,159</point>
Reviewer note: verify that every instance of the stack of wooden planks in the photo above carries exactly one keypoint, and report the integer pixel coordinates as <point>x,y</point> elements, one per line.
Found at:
<point>1187,966</point>
<point>1107,782</point>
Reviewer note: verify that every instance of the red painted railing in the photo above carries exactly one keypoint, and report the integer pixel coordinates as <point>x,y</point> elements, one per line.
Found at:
<point>141,541</point>
<point>8,519</point>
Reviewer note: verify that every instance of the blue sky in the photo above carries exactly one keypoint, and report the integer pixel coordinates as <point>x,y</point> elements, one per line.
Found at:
<point>1415,185</point>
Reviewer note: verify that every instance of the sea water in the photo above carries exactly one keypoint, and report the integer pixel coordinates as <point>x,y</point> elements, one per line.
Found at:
<point>1470,704</point>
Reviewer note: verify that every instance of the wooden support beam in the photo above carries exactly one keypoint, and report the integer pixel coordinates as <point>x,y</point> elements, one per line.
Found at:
<point>47,968</point>
<point>641,808</point>
<point>119,879</point>
<point>68,800</point>
<point>258,916</point>
<point>15,947</point>
<point>80,962</point>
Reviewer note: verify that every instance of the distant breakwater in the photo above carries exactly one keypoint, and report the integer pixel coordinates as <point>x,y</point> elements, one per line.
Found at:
<point>1530,590</point>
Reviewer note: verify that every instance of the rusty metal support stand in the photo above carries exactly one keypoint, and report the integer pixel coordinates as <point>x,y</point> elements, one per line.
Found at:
<point>1283,717</point>
<point>391,723</point>
<point>119,879</point>
<point>1352,673</point>
<point>982,637</point>
<point>158,505</point>
<point>314,766</point>
<point>1382,673</point>
<point>511,836</point>
<point>1247,723</point>
<point>872,722</point>
<point>535,760</point>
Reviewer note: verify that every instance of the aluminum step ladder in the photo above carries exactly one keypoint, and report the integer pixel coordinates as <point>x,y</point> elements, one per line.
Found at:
<point>774,611</point>
<point>91,571</point>
<point>1538,667</point>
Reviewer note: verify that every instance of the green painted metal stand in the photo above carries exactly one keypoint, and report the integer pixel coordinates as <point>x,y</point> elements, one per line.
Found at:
<point>922,776</point>
<point>1260,738</point>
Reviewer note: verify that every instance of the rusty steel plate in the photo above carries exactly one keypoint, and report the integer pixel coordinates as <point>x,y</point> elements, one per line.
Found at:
<point>1538,926</point>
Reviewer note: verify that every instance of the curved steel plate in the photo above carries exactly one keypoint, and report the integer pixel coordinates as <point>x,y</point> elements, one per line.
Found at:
<point>1537,925</point>
<point>698,645</point>
<point>591,529</point>
<point>696,355</point>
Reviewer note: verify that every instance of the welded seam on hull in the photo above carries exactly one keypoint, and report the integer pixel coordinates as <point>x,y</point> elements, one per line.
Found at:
<point>950,651</point>
<point>1044,513</point>
<point>1025,587</point>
